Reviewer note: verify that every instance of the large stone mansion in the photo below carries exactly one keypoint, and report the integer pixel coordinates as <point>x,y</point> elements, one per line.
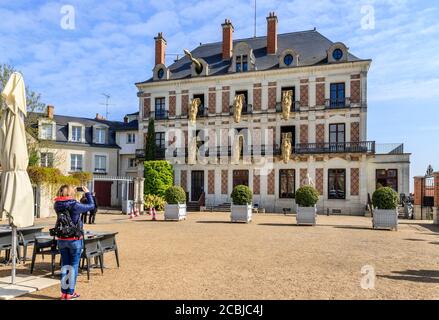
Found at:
<point>274,113</point>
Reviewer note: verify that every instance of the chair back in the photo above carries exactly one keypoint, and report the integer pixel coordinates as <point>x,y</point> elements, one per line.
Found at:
<point>5,239</point>
<point>108,241</point>
<point>29,234</point>
<point>91,246</point>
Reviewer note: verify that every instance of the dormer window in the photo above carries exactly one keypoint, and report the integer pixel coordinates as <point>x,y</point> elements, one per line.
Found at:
<point>337,54</point>
<point>76,133</point>
<point>242,63</point>
<point>160,74</point>
<point>288,59</point>
<point>100,135</point>
<point>47,130</point>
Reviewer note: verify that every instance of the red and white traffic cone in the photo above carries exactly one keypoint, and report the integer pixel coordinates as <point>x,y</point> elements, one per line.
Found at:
<point>153,214</point>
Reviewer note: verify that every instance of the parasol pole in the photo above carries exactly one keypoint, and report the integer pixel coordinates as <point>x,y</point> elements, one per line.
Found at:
<point>13,251</point>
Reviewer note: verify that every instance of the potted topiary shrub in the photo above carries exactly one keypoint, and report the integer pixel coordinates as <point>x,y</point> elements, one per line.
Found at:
<point>241,210</point>
<point>175,208</point>
<point>385,213</point>
<point>306,199</point>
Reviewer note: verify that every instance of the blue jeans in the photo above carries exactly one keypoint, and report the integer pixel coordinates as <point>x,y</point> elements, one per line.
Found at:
<point>70,256</point>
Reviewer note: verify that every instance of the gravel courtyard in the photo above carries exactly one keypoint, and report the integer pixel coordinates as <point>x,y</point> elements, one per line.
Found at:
<point>206,257</point>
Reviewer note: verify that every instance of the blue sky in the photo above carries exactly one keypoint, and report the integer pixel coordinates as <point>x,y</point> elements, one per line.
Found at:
<point>111,48</point>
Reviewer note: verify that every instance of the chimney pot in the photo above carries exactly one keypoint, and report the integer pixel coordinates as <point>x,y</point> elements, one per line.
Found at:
<point>160,49</point>
<point>227,39</point>
<point>125,119</point>
<point>272,33</point>
<point>50,111</point>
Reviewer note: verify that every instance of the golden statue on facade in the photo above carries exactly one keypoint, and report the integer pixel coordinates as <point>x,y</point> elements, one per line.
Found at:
<point>286,147</point>
<point>193,110</point>
<point>238,105</point>
<point>287,102</point>
<point>198,65</point>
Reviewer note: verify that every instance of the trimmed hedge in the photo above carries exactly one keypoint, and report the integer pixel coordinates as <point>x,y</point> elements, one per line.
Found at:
<point>175,195</point>
<point>153,201</point>
<point>385,198</point>
<point>53,176</point>
<point>307,196</point>
<point>159,176</point>
<point>241,195</point>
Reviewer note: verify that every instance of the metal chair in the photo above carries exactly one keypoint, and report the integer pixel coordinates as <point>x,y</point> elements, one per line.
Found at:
<point>26,237</point>
<point>6,243</point>
<point>92,249</point>
<point>44,245</point>
<point>108,244</point>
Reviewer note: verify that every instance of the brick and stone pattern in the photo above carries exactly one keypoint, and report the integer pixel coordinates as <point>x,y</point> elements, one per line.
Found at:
<point>184,102</point>
<point>320,133</point>
<point>212,101</point>
<point>172,104</point>
<point>224,182</point>
<point>319,180</point>
<point>272,95</point>
<point>320,94</point>
<point>211,182</point>
<point>256,182</point>
<point>355,90</point>
<point>257,96</point>
<point>226,99</point>
<point>272,136</point>
<point>303,177</point>
<point>355,181</point>
<point>418,190</point>
<point>355,131</point>
<point>212,138</point>
<point>183,179</point>
<point>436,189</point>
<point>304,101</point>
<point>303,133</point>
<point>271,183</point>
<point>147,106</point>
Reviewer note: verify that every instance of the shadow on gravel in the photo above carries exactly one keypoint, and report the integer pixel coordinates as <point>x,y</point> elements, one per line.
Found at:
<point>213,222</point>
<point>425,276</point>
<point>278,224</point>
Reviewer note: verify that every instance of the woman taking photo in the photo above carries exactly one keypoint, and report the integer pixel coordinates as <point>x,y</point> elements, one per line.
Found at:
<point>69,217</point>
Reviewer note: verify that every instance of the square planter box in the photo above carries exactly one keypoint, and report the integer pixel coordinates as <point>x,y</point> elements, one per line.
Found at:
<point>306,215</point>
<point>385,219</point>
<point>175,212</point>
<point>241,213</point>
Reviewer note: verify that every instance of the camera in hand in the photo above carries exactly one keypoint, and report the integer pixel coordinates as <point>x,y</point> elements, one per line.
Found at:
<point>79,189</point>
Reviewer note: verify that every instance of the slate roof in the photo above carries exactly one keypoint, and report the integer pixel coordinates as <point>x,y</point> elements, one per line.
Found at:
<point>310,45</point>
<point>113,126</point>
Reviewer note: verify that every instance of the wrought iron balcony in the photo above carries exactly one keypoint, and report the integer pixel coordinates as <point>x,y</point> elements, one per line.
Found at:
<point>160,114</point>
<point>140,154</point>
<point>247,108</point>
<point>338,103</point>
<point>202,112</point>
<point>295,106</point>
<point>343,147</point>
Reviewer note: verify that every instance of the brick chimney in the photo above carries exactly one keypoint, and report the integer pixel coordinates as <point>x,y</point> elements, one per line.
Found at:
<point>125,119</point>
<point>272,33</point>
<point>99,117</point>
<point>50,111</point>
<point>160,49</point>
<point>227,39</point>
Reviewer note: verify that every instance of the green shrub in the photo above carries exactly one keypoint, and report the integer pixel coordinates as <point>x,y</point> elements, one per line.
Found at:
<point>159,176</point>
<point>385,198</point>
<point>83,177</point>
<point>307,196</point>
<point>175,195</point>
<point>51,176</point>
<point>241,195</point>
<point>153,201</point>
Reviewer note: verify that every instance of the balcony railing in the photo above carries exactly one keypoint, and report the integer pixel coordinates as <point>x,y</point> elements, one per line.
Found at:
<point>160,153</point>
<point>338,103</point>
<point>246,109</point>
<point>343,147</point>
<point>140,154</point>
<point>160,114</point>
<point>390,148</point>
<point>295,106</point>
